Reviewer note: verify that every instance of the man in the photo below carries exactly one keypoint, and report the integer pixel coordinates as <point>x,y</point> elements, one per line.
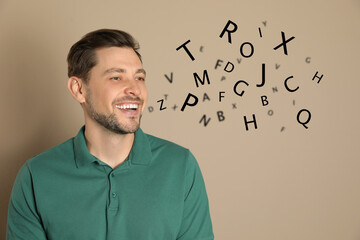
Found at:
<point>111,181</point>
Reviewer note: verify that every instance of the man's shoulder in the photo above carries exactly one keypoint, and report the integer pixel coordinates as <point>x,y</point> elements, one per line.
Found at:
<point>160,145</point>
<point>157,142</point>
<point>61,151</point>
<point>170,155</point>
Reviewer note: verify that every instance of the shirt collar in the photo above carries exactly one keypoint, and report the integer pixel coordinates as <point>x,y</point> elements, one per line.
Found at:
<point>140,153</point>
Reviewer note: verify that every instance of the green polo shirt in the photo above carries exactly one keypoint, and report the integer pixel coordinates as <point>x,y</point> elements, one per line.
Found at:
<point>65,193</point>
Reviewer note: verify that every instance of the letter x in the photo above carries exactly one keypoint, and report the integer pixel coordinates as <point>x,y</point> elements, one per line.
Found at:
<point>284,42</point>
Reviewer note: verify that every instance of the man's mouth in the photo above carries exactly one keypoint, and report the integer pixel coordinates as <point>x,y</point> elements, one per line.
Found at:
<point>125,106</point>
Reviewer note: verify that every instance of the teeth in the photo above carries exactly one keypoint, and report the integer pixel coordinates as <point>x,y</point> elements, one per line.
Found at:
<point>127,106</point>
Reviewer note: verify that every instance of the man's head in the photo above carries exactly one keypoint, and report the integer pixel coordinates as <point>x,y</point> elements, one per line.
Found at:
<point>107,78</point>
<point>82,55</point>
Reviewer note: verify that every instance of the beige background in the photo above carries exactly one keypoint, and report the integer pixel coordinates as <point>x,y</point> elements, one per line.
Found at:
<point>262,184</point>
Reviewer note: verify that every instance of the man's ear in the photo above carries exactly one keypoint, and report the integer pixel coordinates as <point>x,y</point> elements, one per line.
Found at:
<point>77,89</point>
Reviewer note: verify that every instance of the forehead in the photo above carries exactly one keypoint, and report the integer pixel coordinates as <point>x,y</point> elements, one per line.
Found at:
<point>111,57</point>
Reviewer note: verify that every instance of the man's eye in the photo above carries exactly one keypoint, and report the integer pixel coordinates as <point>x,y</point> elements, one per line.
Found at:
<point>140,78</point>
<point>115,78</point>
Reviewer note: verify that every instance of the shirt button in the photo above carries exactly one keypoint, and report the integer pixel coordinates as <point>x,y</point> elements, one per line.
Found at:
<point>113,175</point>
<point>113,195</point>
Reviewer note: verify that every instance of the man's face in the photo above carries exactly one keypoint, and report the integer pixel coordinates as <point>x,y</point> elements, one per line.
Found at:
<point>116,94</point>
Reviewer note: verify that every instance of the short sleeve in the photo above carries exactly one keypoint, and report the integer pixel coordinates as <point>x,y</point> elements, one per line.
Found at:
<point>196,222</point>
<point>24,222</point>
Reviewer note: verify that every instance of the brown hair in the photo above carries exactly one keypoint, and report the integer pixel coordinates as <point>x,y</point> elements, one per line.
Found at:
<point>82,57</point>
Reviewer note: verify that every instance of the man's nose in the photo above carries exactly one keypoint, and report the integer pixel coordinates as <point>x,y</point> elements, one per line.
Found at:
<point>132,88</point>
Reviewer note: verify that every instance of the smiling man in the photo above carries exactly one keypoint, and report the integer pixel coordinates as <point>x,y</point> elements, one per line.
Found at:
<point>111,181</point>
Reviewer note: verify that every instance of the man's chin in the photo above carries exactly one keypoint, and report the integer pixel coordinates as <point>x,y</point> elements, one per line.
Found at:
<point>125,129</point>
<point>131,130</point>
<point>125,126</point>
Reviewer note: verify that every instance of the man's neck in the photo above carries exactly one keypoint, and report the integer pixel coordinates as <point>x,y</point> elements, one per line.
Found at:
<point>109,147</point>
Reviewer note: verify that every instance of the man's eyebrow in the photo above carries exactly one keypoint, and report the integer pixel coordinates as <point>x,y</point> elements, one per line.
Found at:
<point>121,70</point>
<point>141,70</point>
<point>112,70</point>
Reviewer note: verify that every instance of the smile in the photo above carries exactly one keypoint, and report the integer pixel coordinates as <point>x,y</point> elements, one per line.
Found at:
<point>128,106</point>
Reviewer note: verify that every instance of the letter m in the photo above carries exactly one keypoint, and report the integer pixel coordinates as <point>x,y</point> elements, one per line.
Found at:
<point>197,78</point>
